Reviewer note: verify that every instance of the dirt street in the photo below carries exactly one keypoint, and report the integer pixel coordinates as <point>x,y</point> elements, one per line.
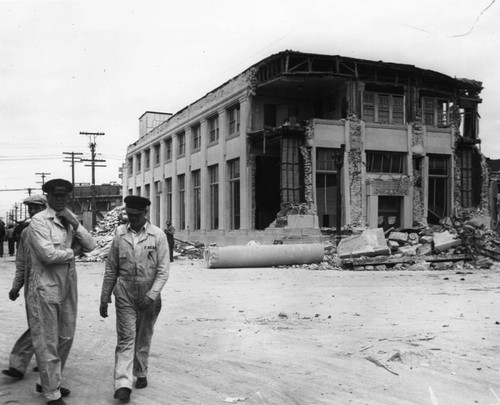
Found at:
<point>288,336</point>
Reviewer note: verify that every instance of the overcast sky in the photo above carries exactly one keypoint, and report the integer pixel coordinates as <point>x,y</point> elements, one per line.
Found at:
<point>97,66</point>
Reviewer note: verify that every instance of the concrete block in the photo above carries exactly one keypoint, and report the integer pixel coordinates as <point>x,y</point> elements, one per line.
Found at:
<point>393,245</point>
<point>410,250</point>
<point>444,241</point>
<point>423,250</point>
<point>426,239</point>
<point>399,237</point>
<point>371,242</point>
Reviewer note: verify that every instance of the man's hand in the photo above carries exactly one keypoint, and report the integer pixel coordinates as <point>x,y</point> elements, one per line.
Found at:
<point>13,294</point>
<point>103,309</point>
<point>145,303</point>
<point>77,248</point>
<point>67,216</point>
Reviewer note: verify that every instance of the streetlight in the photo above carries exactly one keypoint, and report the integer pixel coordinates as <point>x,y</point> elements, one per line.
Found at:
<point>338,158</point>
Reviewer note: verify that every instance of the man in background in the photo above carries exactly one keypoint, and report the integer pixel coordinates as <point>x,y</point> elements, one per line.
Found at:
<point>22,352</point>
<point>170,231</point>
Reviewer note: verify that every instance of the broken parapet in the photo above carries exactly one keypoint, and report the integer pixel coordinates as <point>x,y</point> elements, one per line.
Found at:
<point>263,255</point>
<point>370,243</point>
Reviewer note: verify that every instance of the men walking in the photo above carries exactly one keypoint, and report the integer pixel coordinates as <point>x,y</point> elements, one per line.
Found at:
<point>22,352</point>
<point>170,231</point>
<point>56,238</point>
<point>137,268</point>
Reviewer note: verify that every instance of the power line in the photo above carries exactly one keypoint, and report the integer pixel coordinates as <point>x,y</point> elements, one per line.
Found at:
<point>43,174</point>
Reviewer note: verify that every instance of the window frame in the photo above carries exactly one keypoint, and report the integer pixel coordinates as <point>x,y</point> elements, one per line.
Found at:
<point>373,101</point>
<point>195,138</point>
<point>233,120</point>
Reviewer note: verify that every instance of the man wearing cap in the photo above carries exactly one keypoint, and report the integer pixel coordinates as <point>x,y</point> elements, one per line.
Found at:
<point>137,268</point>
<point>56,238</point>
<point>22,352</point>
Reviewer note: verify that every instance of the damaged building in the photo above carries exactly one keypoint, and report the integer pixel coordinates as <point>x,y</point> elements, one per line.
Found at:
<point>254,159</point>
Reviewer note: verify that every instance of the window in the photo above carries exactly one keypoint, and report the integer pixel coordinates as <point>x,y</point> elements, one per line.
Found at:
<point>213,174</point>
<point>384,162</point>
<point>196,137</point>
<point>195,178</point>
<point>213,129</point>
<point>168,199</point>
<point>435,112</point>
<point>438,187</point>
<point>383,108</point>
<point>181,140</point>
<point>157,202</point>
<point>234,193</point>
<point>138,191</point>
<point>138,162</point>
<point>168,149</point>
<point>147,158</point>
<point>326,187</point>
<point>157,154</point>
<point>130,166</point>
<point>233,114</point>
<point>182,202</point>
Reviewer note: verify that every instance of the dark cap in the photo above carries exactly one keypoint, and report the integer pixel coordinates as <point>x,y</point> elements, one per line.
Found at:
<point>134,203</point>
<point>57,186</point>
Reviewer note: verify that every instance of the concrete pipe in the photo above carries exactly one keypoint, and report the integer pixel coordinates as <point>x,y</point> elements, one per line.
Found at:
<point>263,255</point>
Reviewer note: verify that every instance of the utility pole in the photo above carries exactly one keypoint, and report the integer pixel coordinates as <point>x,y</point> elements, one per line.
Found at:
<point>92,145</point>
<point>73,154</point>
<point>43,174</point>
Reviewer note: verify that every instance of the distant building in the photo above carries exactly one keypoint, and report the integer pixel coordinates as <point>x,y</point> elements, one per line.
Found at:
<point>108,196</point>
<point>254,158</point>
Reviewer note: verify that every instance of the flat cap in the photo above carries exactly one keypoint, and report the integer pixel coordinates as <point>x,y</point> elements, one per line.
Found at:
<point>35,199</point>
<point>57,186</point>
<point>136,203</point>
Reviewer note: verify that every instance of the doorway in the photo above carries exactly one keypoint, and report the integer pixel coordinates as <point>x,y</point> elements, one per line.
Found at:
<point>267,190</point>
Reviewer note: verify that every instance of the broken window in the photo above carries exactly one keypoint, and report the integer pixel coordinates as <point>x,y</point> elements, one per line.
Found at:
<point>168,198</point>
<point>389,212</point>
<point>438,187</point>
<point>196,184</point>
<point>213,174</point>
<point>234,193</point>
<point>182,202</point>
<point>436,112</point>
<point>385,162</point>
<point>291,173</point>
<point>196,137</point>
<point>383,108</point>
<point>233,114</point>
<point>213,129</point>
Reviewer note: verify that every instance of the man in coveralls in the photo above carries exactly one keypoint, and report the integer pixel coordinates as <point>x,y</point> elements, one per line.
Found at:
<point>22,352</point>
<point>56,238</point>
<point>137,268</point>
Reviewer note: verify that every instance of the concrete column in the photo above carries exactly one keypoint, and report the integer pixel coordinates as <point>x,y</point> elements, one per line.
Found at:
<point>175,185</point>
<point>245,173</point>
<point>188,183</point>
<point>223,181</point>
<point>205,187</point>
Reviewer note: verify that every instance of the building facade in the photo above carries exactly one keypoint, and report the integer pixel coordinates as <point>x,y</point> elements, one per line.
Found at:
<point>254,158</point>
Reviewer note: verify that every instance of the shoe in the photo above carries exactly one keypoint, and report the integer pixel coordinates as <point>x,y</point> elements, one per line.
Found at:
<point>14,373</point>
<point>58,401</point>
<point>64,391</point>
<point>35,369</point>
<point>142,382</point>
<point>123,394</point>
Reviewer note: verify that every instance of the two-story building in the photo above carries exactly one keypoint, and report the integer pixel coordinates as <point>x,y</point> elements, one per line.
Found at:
<point>231,166</point>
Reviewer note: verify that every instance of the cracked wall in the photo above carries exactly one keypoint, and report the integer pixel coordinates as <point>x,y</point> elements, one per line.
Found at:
<point>355,173</point>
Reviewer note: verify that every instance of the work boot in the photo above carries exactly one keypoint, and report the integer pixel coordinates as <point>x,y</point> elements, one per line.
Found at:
<point>58,401</point>
<point>142,382</point>
<point>64,391</point>
<point>35,369</point>
<point>13,373</point>
<point>123,394</point>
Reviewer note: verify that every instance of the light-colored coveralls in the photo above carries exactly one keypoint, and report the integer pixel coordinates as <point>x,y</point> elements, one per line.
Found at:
<point>23,350</point>
<point>137,265</point>
<point>53,295</point>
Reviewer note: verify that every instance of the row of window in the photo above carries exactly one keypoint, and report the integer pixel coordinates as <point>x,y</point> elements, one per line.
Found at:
<point>233,170</point>
<point>233,127</point>
<point>389,109</point>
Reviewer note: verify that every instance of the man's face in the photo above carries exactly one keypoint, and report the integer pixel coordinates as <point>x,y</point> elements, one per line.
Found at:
<point>136,218</point>
<point>57,201</point>
<point>34,209</point>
